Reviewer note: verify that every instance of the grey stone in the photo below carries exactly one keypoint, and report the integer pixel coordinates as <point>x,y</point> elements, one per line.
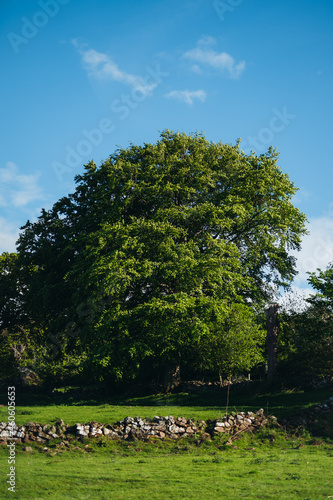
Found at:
<point>128,420</point>
<point>106,431</point>
<point>189,430</point>
<point>82,433</point>
<point>174,429</point>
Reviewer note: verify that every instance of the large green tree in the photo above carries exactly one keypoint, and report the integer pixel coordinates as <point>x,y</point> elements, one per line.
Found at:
<point>142,264</point>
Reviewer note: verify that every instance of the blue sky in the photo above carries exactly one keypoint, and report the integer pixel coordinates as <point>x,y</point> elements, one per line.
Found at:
<point>82,77</point>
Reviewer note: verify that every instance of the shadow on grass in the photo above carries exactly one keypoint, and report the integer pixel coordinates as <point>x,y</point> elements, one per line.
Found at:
<point>280,403</point>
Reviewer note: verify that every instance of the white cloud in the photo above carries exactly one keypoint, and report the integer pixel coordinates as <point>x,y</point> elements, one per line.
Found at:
<point>8,236</point>
<point>207,40</point>
<point>221,61</point>
<point>17,189</point>
<point>19,193</point>
<point>187,96</point>
<point>100,65</point>
<point>196,69</point>
<point>317,248</point>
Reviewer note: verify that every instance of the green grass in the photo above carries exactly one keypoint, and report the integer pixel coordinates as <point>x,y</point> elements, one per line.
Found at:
<point>265,466</point>
<point>203,406</point>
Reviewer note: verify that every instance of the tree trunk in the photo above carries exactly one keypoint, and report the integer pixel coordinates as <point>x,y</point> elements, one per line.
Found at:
<point>221,379</point>
<point>272,338</point>
<point>171,377</point>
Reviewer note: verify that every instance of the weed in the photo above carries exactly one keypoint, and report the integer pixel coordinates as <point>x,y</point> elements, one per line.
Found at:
<point>293,477</point>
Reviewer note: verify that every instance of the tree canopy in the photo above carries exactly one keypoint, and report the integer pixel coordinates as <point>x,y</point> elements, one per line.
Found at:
<point>161,253</point>
<point>322,281</point>
<point>306,336</point>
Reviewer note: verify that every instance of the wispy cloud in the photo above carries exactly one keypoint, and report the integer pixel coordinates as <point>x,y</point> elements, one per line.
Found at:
<point>8,236</point>
<point>187,96</point>
<point>221,61</point>
<point>17,189</point>
<point>207,40</point>
<point>20,199</point>
<point>100,65</point>
<point>196,69</point>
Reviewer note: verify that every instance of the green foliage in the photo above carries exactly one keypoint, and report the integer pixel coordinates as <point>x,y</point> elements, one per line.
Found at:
<point>306,344</point>
<point>306,340</point>
<point>161,255</point>
<point>11,291</point>
<point>323,282</point>
<point>234,342</point>
<point>19,336</point>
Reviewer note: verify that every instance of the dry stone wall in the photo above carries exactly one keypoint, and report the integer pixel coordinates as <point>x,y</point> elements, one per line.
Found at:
<point>135,428</point>
<point>159,427</point>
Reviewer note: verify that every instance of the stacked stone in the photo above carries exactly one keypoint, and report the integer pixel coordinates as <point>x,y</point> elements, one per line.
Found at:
<point>137,428</point>
<point>30,432</point>
<point>133,428</point>
<point>241,422</point>
<point>159,427</point>
<point>129,428</point>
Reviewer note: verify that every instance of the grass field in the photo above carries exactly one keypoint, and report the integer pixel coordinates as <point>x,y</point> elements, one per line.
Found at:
<point>253,468</point>
<point>268,464</point>
<point>205,405</point>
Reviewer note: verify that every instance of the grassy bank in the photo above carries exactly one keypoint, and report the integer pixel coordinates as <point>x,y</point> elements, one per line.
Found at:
<point>31,406</point>
<point>267,465</point>
<point>271,463</point>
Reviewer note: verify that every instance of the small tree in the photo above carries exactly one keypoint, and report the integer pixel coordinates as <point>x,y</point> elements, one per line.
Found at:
<point>234,343</point>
